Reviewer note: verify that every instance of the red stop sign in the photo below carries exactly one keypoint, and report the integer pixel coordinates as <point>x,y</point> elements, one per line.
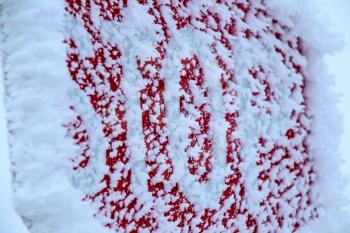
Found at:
<point>202,113</point>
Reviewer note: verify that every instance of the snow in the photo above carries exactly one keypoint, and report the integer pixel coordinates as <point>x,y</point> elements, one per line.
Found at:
<point>10,222</point>
<point>32,81</point>
<point>36,107</point>
<point>315,27</point>
<point>249,54</point>
<point>338,63</point>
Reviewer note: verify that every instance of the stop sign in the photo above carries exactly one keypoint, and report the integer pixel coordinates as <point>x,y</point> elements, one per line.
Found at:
<point>169,116</point>
<point>192,118</point>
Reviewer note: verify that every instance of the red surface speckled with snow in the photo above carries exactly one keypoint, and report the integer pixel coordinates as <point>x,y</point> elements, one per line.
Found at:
<point>116,200</point>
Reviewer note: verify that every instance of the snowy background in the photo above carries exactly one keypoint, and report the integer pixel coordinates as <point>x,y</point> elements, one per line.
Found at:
<point>339,65</point>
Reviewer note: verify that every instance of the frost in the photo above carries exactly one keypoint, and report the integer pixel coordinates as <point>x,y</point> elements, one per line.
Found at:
<point>171,117</point>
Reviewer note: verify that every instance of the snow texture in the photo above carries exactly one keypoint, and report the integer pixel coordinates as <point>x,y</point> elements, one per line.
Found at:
<point>36,84</point>
<point>10,222</point>
<point>43,100</point>
<point>326,126</point>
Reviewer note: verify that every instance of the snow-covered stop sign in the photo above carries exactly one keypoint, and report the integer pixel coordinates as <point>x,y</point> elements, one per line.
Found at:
<point>187,116</point>
<point>202,113</point>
